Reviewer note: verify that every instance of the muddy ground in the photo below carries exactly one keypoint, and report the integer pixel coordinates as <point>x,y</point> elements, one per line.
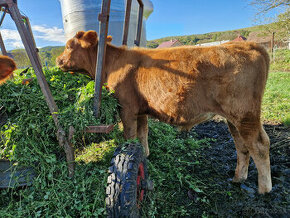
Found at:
<point>242,200</point>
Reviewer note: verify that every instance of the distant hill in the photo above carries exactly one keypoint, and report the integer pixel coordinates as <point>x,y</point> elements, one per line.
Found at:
<point>261,30</point>
<point>47,55</point>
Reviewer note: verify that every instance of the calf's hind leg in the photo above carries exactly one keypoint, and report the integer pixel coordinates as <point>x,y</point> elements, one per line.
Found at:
<point>258,144</point>
<point>243,156</point>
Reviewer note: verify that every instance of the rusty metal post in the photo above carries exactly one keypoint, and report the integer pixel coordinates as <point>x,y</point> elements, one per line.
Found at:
<point>127,22</point>
<point>30,47</point>
<point>101,55</point>
<point>3,15</point>
<point>3,49</point>
<point>140,20</point>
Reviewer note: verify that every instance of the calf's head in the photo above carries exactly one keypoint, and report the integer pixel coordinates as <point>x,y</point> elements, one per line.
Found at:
<point>7,66</point>
<point>80,53</point>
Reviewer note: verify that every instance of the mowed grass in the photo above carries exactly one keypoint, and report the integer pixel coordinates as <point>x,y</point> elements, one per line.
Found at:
<point>276,101</point>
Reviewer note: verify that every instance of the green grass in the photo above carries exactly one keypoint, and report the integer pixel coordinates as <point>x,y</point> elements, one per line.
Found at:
<point>171,164</point>
<point>281,60</point>
<point>176,163</point>
<point>276,101</point>
<point>30,140</point>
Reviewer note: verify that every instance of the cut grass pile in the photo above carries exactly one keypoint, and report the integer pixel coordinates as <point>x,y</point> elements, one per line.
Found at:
<point>30,122</point>
<point>29,138</point>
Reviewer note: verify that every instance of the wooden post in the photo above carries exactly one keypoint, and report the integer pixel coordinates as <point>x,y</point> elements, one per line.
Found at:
<point>272,45</point>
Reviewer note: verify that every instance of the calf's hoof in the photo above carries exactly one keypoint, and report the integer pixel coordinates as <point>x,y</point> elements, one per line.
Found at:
<point>265,184</point>
<point>238,179</point>
<point>147,153</point>
<point>265,189</point>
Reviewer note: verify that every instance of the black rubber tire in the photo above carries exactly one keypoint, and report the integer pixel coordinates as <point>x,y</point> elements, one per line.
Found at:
<point>121,192</point>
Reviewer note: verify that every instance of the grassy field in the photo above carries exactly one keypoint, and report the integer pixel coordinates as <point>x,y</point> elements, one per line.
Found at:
<point>276,101</point>
<point>175,164</point>
<point>281,60</point>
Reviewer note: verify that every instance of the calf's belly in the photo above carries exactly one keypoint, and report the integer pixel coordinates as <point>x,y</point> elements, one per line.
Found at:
<point>196,120</point>
<point>185,120</point>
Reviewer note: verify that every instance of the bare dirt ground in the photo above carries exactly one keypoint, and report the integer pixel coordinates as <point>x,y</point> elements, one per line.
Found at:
<point>217,166</point>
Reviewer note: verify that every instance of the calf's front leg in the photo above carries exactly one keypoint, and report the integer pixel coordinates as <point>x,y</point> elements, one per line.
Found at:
<point>129,120</point>
<point>243,155</point>
<point>142,132</point>
<point>135,126</point>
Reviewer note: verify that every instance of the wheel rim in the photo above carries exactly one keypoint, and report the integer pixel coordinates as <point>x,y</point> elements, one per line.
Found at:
<point>140,178</point>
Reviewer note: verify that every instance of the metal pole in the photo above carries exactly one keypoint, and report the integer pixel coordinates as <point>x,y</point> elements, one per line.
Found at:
<point>104,19</point>
<point>140,20</point>
<point>3,15</point>
<point>3,49</point>
<point>127,21</point>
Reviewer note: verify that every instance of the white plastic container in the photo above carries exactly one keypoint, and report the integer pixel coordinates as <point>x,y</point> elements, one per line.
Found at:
<point>83,15</point>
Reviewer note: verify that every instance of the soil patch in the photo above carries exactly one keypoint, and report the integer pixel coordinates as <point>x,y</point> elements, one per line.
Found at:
<point>218,163</point>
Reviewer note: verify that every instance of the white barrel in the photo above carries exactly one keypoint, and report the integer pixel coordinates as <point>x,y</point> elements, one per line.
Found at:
<point>83,15</point>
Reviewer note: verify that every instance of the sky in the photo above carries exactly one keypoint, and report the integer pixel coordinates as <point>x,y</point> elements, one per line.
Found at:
<point>169,18</point>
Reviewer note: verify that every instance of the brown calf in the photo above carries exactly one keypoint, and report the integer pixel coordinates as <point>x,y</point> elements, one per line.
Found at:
<point>185,86</point>
<point>7,66</point>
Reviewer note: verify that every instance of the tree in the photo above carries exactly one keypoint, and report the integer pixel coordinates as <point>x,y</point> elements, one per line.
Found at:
<point>55,52</point>
<point>265,6</point>
<point>281,23</point>
<point>152,44</point>
<point>21,58</point>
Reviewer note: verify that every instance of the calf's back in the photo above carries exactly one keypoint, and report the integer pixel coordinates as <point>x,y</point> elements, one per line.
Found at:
<point>178,85</point>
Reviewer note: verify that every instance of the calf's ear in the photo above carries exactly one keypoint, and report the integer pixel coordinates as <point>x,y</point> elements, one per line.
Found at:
<point>7,62</point>
<point>79,34</point>
<point>89,39</point>
<point>5,71</point>
<point>109,39</point>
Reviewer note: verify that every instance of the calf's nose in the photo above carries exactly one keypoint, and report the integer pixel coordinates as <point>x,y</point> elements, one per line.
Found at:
<point>59,61</point>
